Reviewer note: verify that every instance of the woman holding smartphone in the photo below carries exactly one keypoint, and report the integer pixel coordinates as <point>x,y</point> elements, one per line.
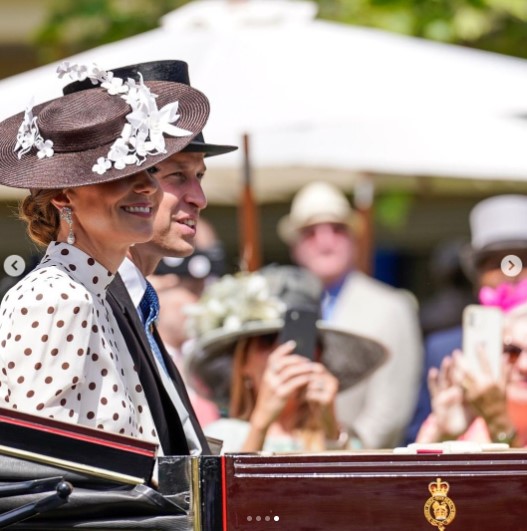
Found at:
<point>478,405</point>
<point>274,397</point>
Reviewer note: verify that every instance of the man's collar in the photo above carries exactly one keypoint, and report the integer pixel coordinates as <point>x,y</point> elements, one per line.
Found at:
<point>334,288</point>
<point>133,279</point>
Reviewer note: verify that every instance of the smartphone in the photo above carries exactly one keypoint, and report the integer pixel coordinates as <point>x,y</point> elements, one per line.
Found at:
<point>483,328</point>
<point>300,325</point>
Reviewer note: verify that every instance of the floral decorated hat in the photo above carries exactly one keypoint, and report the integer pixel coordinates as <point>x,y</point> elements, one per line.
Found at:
<point>164,70</point>
<point>99,135</point>
<point>254,304</point>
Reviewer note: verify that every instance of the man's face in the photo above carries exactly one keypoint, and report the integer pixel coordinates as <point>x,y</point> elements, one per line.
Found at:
<point>328,250</point>
<point>180,177</point>
<point>489,272</point>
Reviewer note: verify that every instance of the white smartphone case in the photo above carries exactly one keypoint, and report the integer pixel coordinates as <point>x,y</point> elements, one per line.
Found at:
<point>483,327</point>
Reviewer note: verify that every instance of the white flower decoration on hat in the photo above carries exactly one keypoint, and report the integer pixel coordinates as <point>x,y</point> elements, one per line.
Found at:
<point>28,136</point>
<point>102,165</point>
<point>142,135</point>
<point>233,301</point>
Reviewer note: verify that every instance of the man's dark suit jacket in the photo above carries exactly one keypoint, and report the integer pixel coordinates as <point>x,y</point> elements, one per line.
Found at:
<point>164,413</point>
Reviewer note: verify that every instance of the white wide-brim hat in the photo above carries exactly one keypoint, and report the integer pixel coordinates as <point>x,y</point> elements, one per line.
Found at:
<point>317,202</point>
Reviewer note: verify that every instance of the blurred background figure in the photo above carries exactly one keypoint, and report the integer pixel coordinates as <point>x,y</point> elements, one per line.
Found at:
<point>321,231</point>
<point>179,283</point>
<point>480,406</point>
<point>277,398</point>
<point>498,227</point>
<point>453,290</point>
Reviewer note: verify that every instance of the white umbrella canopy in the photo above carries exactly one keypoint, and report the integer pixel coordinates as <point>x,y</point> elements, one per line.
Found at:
<point>321,99</point>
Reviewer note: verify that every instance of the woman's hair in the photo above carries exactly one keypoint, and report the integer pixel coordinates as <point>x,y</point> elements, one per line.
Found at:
<point>243,396</point>
<point>41,216</point>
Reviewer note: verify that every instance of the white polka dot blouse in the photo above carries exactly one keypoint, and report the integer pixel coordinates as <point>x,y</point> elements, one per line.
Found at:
<point>62,354</point>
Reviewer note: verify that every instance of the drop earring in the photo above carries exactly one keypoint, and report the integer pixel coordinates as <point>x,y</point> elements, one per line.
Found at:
<point>65,214</point>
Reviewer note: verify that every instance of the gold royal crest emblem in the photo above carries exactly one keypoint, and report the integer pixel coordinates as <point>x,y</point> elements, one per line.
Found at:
<point>439,509</point>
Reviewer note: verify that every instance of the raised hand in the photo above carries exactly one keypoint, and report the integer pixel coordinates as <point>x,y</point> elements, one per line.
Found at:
<point>483,390</point>
<point>451,416</point>
<point>285,374</point>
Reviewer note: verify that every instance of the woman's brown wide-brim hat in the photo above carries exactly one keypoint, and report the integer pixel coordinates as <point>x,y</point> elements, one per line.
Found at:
<point>209,357</point>
<point>83,126</point>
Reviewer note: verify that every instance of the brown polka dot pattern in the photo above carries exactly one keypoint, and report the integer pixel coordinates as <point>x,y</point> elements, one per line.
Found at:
<point>58,340</point>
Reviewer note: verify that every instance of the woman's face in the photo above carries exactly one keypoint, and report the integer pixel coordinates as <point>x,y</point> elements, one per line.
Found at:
<point>490,272</point>
<point>258,350</point>
<point>109,217</point>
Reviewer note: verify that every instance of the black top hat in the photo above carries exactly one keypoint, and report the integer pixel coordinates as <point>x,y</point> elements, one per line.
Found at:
<point>167,70</point>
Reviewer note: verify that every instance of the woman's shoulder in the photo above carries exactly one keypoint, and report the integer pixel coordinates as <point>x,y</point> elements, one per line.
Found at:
<point>48,283</point>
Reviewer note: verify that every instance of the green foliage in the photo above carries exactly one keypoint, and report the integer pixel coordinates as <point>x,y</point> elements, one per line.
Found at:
<point>494,25</point>
<point>393,208</point>
<point>76,25</point>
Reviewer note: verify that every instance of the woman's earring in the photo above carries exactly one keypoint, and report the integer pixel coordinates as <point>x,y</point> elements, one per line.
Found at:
<point>65,214</point>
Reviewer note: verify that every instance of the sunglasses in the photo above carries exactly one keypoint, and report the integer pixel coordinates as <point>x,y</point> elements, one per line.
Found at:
<point>513,351</point>
<point>494,258</point>
<point>336,228</point>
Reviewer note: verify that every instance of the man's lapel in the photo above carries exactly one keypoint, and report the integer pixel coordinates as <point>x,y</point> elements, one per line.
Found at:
<point>122,298</point>
<point>181,388</point>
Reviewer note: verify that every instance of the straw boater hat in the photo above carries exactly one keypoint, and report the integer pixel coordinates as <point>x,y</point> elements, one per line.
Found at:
<point>497,225</point>
<point>100,135</point>
<point>317,202</point>
<point>249,305</point>
<point>167,70</point>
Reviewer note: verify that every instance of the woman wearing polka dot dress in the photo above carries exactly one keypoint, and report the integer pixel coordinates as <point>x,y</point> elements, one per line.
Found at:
<point>85,159</point>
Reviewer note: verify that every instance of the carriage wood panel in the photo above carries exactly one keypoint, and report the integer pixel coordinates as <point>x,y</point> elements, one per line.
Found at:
<point>379,491</point>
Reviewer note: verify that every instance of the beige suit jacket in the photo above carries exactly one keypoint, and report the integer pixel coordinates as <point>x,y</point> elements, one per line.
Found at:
<point>378,409</point>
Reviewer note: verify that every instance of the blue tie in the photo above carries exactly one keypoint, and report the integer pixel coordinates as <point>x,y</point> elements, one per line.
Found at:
<point>149,307</point>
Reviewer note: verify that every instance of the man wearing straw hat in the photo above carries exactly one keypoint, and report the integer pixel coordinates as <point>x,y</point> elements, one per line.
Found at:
<point>134,300</point>
<point>320,231</point>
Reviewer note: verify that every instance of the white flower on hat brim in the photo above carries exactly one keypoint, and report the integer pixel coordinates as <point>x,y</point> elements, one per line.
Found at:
<point>144,134</point>
<point>86,128</point>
